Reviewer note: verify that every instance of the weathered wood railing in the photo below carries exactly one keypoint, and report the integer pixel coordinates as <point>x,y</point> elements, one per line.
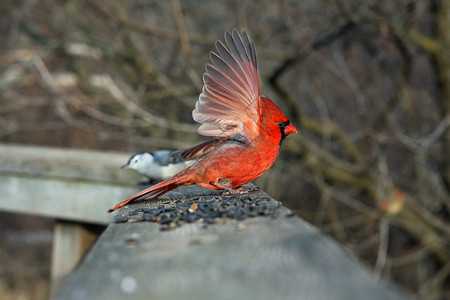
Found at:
<point>74,187</point>
<point>191,244</point>
<point>196,244</point>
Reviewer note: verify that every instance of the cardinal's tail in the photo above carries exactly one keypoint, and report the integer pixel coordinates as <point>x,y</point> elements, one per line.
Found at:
<point>156,190</point>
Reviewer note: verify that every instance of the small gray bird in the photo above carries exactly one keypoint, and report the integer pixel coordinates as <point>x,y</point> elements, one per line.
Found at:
<point>158,165</point>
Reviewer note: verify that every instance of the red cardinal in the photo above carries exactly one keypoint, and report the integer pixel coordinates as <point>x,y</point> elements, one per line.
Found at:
<point>249,128</point>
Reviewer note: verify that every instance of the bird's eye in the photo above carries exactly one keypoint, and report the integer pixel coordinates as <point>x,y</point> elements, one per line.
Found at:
<point>283,124</point>
<point>135,161</point>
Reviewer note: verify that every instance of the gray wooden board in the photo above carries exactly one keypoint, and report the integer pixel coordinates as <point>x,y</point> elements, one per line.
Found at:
<point>63,163</point>
<point>76,185</point>
<point>264,257</point>
<point>80,201</point>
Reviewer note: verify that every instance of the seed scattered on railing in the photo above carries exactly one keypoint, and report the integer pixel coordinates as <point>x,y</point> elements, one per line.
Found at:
<point>208,210</point>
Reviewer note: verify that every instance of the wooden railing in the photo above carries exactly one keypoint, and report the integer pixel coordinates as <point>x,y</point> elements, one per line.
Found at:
<point>74,187</point>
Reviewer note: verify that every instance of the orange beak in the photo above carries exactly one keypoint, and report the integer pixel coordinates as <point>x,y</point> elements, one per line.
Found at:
<point>289,129</point>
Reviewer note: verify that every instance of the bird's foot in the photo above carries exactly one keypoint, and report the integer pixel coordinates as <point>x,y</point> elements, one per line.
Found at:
<point>226,185</point>
<point>240,191</point>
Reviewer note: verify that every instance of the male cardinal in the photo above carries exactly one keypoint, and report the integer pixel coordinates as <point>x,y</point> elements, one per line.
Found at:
<point>249,128</point>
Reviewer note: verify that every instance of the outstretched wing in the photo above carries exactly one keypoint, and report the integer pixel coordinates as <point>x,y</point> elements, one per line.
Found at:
<point>229,102</point>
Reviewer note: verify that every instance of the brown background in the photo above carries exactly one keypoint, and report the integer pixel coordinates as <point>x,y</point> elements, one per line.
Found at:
<point>367,85</point>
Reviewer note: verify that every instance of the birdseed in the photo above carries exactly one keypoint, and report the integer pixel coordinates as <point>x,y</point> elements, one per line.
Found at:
<point>208,210</point>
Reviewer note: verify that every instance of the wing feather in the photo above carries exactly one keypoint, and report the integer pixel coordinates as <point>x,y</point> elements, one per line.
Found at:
<point>197,151</point>
<point>229,103</point>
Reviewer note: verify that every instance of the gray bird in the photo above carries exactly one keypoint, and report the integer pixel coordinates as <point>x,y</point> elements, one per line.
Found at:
<point>158,165</point>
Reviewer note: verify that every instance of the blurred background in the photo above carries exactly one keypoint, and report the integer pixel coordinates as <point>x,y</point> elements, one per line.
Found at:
<point>367,83</point>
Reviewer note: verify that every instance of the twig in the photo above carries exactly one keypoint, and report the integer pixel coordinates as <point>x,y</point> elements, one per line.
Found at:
<point>106,82</point>
<point>382,247</point>
<point>184,40</point>
<point>400,83</point>
<point>146,28</point>
<point>435,281</point>
<point>322,41</point>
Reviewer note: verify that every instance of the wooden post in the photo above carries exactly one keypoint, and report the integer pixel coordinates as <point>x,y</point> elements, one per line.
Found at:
<point>70,242</point>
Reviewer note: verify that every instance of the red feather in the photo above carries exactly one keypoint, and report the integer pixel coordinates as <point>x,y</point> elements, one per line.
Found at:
<point>249,128</point>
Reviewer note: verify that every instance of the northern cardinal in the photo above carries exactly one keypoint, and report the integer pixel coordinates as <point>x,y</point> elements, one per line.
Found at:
<point>249,128</point>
